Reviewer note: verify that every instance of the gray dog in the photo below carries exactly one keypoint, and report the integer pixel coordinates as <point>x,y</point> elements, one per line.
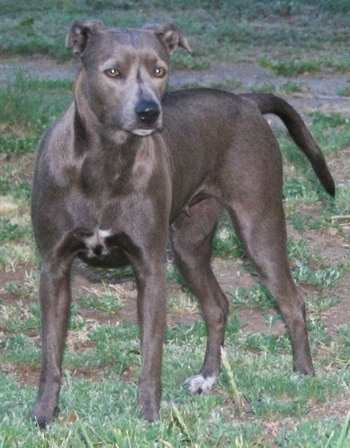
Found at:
<point>124,162</point>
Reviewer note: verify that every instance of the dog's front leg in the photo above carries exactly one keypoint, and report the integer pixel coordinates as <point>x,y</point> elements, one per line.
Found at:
<point>54,302</point>
<point>151,305</point>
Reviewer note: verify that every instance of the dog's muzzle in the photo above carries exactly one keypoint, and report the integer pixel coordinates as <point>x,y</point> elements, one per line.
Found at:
<point>148,112</point>
<point>149,118</point>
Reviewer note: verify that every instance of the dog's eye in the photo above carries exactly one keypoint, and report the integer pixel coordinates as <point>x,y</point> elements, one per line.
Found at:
<point>159,72</point>
<point>112,73</point>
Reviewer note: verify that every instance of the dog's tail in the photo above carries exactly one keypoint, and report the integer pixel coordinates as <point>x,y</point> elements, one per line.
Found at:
<point>269,103</point>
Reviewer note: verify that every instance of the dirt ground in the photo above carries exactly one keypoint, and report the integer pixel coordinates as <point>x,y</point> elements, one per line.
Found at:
<point>319,93</point>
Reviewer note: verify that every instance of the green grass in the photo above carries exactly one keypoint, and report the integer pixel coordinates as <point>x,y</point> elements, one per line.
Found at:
<point>297,66</point>
<point>291,87</point>
<point>269,388</point>
<point>292,67</point>
<point>102,359</point>
<point>226,242</point>
<point>267,87</point>
<point>30,104</point>
<point>344,91</point>
<point>10,231</point>
<point>231,28</point>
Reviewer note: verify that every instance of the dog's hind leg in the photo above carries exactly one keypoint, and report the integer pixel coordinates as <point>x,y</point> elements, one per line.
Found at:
<point>263,234</point>
<point>192,236</point>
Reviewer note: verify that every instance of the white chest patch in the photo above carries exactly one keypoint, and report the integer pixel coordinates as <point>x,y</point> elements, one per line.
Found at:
<point>96,243</point>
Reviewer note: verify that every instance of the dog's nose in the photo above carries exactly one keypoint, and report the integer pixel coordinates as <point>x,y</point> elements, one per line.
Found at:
<point>147,111</point>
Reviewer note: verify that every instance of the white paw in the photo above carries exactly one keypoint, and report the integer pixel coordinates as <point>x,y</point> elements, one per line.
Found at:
<point>199,385</point>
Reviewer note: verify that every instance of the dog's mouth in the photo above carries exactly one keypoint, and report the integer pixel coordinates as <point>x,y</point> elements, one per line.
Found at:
<point>146,132</point>
<point>143,132</point>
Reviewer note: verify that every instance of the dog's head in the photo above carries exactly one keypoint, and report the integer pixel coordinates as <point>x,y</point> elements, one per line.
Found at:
<point>125,72</point>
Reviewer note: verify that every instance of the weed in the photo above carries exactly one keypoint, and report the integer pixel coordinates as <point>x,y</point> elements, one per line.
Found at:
<point>21,349</point>
<point>13,144</point>
<point>321,120</point>
<point>18,102</point>
<point>264,88</point>
<point>323,278</point>
<point>344,91</point>
<point>303,222</point>
<point>26,289</point>
<point>295,188</point>
<point>292,87</point>
<point>108,301</point>
<point>237,396</point>
<point>226,243</point>
<point>341,441</point>
<point>181,302</point>
<point>10,231</point>
<point>291,67</point>
<point>12,256</point>
<point>228,84</point>
<point>258,296</point>
<point>320,304</point>
<point>182,61</point>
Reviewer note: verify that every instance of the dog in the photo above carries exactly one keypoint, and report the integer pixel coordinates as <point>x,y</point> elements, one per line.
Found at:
<point>128,166</point>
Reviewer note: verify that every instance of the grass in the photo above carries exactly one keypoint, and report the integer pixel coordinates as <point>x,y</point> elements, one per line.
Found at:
<point>291,87</point>
<point>257,401</point>
<point>344,91</point>
<point>42,28</point>
<point>291,67</point>
<point>29,105</point>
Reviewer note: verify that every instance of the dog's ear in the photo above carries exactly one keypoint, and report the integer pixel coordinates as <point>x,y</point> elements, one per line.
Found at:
<point>171,36</point>
<point>79,34</point>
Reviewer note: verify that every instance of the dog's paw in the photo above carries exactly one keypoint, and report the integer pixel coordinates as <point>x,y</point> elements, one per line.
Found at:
<point>198,384</point>
<point>43,420</point>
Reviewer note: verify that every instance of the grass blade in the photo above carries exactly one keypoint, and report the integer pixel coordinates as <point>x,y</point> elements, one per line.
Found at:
<point>238,398</point>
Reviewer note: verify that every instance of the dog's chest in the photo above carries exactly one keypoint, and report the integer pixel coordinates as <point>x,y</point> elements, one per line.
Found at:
<point>99,179</point>
<point>110,199</point>
<point>106,175</point>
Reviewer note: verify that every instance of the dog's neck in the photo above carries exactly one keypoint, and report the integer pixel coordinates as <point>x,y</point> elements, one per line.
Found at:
<point>90,134</point>
<point>111,163</point>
